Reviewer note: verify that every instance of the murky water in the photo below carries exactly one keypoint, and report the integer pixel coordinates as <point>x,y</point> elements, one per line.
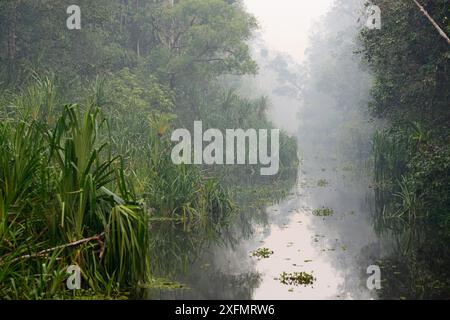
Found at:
<point>336,249</point>
<point>331,248</point>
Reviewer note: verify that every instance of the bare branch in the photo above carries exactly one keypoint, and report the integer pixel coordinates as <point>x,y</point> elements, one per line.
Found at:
<point>438,28</point>
<point>44,253</point>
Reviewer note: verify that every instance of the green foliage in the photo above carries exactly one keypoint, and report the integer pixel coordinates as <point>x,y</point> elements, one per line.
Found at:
<point>84,139</point>
<point>410,90</point>
<point>56,185</point>
<point>411,61</point>
<point>262,253</point>
<point>61,183</point>
<point>323,212</point>
<point>199,39</point>
<point>411,177</point>
<point>297,278</point>
<point>181,44</point>
<point>138,91</point>
<point>227,110</point>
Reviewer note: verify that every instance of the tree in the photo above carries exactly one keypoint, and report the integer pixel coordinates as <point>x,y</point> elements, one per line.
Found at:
<point>199,40</point>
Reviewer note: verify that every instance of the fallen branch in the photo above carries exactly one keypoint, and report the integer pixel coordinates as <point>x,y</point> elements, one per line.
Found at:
<point>438,28</point>
<point>99,238</point>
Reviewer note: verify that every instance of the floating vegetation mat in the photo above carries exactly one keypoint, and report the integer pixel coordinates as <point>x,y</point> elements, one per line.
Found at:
<point>297,279</point>
<point>323,212</point>
<point>262,253</point>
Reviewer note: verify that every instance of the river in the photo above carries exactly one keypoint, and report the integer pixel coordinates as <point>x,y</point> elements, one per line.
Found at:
<point>334,177</point>
<point>335,249</point>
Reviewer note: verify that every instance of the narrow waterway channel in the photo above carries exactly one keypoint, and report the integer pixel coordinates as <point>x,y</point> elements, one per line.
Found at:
<point>324,227</point>
<point>336,249</point>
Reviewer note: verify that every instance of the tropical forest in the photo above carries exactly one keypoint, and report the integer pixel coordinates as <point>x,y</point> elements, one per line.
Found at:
<point>224,149</point>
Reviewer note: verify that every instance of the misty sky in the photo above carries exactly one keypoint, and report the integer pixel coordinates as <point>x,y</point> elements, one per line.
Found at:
<point>285,24</point>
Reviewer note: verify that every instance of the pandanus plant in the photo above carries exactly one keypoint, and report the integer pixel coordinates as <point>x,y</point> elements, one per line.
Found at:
<point>95,198</point>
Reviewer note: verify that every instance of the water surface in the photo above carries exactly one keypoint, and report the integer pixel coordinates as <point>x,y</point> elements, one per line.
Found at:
<point>336,249</point>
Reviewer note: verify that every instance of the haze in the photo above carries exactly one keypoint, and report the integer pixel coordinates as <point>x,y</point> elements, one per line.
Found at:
<point>285,24</point>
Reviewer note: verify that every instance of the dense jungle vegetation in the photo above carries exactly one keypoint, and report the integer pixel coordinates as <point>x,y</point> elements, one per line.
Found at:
<point>411,92</point>
<point>86,176</point>
<point>86,116</point>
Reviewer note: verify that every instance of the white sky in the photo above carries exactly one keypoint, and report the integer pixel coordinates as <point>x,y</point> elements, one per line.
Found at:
<point>285,24</point>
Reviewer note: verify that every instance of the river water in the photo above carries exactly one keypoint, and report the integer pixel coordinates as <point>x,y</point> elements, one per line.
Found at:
<point>336,249</point>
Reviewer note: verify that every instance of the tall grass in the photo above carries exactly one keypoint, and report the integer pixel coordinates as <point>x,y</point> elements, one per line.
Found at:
<point>411,180</point>
<point>400,208</point>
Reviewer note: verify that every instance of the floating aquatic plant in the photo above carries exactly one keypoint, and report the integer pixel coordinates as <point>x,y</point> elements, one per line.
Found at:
<point>322,183</point>
<point>297,279</point>
<point>323,212</point>
<point>262,253</point>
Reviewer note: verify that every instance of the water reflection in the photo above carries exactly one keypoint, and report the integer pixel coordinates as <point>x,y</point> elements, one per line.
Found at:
<point>336,249</point>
